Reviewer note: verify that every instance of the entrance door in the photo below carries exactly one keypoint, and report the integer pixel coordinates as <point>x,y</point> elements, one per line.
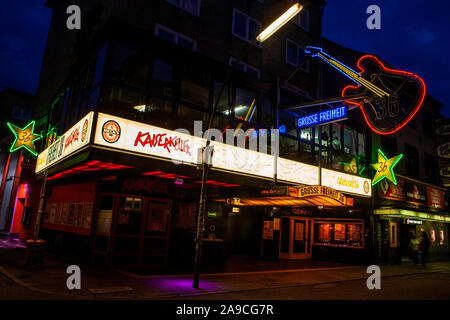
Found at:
<point>295,238</point>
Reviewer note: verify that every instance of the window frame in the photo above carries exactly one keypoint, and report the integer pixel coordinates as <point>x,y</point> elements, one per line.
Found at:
<point>304,69</point>
<point>199,3</point>
<point>298,19</point>
<point>246,66</point>
<point>176,35</point>
<point>247,20</point>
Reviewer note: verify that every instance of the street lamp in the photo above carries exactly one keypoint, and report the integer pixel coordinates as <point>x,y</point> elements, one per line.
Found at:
<point>264,35</point>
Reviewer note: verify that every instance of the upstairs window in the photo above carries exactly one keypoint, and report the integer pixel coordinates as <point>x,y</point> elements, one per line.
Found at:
<point>192,6</point>
<point>245,27</point>
<point>244,67</point>
<point>295,55</point>
<point>175,37</point>
<point>21,113</point>
<point>303,19</point>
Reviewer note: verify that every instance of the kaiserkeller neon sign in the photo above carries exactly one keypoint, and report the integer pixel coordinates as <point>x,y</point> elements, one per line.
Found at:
<point>24,137</point>
<point>388,98</point>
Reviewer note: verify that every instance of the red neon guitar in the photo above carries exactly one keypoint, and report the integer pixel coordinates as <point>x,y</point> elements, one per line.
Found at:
<point>389,98</point>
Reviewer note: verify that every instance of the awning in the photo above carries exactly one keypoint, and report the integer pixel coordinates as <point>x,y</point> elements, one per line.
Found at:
<point>402,213</point>
<point>292,196</point>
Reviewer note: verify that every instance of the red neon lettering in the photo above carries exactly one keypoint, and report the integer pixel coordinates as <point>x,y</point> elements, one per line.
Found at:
<point>162,140</point>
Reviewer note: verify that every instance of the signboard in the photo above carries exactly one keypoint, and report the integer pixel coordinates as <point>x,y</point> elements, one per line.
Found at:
<point>435,197</point>
<point>321,191</point>
<point>268,230</point>
<point>123,134</point>
<point>443,150</point>
<point>323,117</point>
<point>389,98</point>
<point>74,139</point>
<point>445,172</point>
<point>412,192</point>
<point>24,138</point>
<point>443,130</point>
<point>346,183</point>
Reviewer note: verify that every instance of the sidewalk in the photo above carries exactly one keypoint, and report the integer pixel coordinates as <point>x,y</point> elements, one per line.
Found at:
<point>104,283</point>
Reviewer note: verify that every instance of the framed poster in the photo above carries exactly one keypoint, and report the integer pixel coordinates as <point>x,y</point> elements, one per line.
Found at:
<point>58,216</point>
<point>339,232</point>
<point>158,217</point>
<point>51,218</point>
<point>268,230</point>
<point>47,212</point>
<point>87,215</point>
<point>104,221</point>
<point>324,232</point>
<point>71,216</point>
<point>64,213</point>
<point>78,214</point>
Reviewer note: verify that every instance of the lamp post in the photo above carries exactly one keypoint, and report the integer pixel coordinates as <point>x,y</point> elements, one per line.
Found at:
<point>264,35</point>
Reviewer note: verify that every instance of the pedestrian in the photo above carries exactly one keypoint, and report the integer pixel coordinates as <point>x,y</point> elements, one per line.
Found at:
<point>414,245</point>
<point>423,248</point>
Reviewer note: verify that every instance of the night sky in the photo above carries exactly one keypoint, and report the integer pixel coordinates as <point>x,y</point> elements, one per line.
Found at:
<point>414,36</point>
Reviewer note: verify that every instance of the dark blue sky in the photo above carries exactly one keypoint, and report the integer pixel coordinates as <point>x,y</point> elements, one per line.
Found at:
<point>414,36</point>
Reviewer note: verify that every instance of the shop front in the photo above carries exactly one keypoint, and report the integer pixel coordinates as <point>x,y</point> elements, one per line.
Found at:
<point>310,222</point>
<point>406,210</point>
<point>125,193</point>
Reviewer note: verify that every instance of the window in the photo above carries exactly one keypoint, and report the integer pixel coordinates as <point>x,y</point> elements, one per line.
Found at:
<point>295,55</point>
<point>430,169</point>
<point>338,234</point>
<point>303,19</point>
<point>245,27</point>
<point>427,123</point>
<point>21,113</point>
<point>361,145</point>
<point>246,105</point>
<point>288,119</point>
<point>261,1</point>
<point>192,6</point>
<point>175,37</point>
<point>242,66</point>
<point>349,141</point>
<point>411,161</point>
<point>389,145</point>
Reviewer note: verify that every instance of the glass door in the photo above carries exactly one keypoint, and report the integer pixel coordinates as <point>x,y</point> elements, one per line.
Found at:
<point>295,238</point>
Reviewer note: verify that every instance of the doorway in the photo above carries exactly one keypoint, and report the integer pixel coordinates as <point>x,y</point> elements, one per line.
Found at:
<point>295,238</point>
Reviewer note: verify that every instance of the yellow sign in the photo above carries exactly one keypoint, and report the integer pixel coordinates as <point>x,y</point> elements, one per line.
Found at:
<point>352,167</point>
<point>24,137</point>
<point>385,167</point>
<point>312,191</point>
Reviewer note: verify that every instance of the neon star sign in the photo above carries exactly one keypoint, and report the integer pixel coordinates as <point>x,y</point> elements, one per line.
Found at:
<point>24,137</point>
<point>385,168</point>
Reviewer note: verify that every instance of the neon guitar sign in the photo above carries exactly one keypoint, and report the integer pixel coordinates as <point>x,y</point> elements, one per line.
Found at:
<point>389,98</point>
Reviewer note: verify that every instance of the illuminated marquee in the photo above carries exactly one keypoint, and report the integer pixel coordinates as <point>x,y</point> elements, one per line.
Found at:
<point>310,191</point>
<point>346,182</point>
<point>323,117</point>
<point>71,141</point>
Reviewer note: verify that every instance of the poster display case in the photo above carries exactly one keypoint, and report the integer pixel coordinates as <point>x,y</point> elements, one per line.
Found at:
<point>346,234</point>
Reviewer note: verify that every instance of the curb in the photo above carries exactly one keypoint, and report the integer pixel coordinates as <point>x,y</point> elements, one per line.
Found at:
<point>137,276</point>
<point>32,288</point>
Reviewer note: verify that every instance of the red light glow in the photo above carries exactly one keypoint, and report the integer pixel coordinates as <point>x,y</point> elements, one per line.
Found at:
<point>92,165</point>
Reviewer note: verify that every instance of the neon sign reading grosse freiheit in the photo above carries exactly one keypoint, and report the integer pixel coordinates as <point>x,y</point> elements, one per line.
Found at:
<point>322,117</point>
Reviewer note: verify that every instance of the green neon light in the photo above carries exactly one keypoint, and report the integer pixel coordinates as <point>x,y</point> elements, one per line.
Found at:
<point>212,214</point>
<point>24,137</point>
<point>390,163</point>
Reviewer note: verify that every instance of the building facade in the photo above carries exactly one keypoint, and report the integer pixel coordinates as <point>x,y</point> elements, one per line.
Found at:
<point>122,183</point>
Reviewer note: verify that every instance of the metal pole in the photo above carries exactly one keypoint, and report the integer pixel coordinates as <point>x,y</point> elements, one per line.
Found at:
<point>202,202</point>
<point>37,224</point>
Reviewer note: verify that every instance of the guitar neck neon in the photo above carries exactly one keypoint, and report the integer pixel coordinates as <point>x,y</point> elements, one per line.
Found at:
<point>353,75</point>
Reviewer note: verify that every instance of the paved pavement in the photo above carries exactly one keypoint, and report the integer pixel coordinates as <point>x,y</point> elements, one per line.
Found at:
<point>104,283</point>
